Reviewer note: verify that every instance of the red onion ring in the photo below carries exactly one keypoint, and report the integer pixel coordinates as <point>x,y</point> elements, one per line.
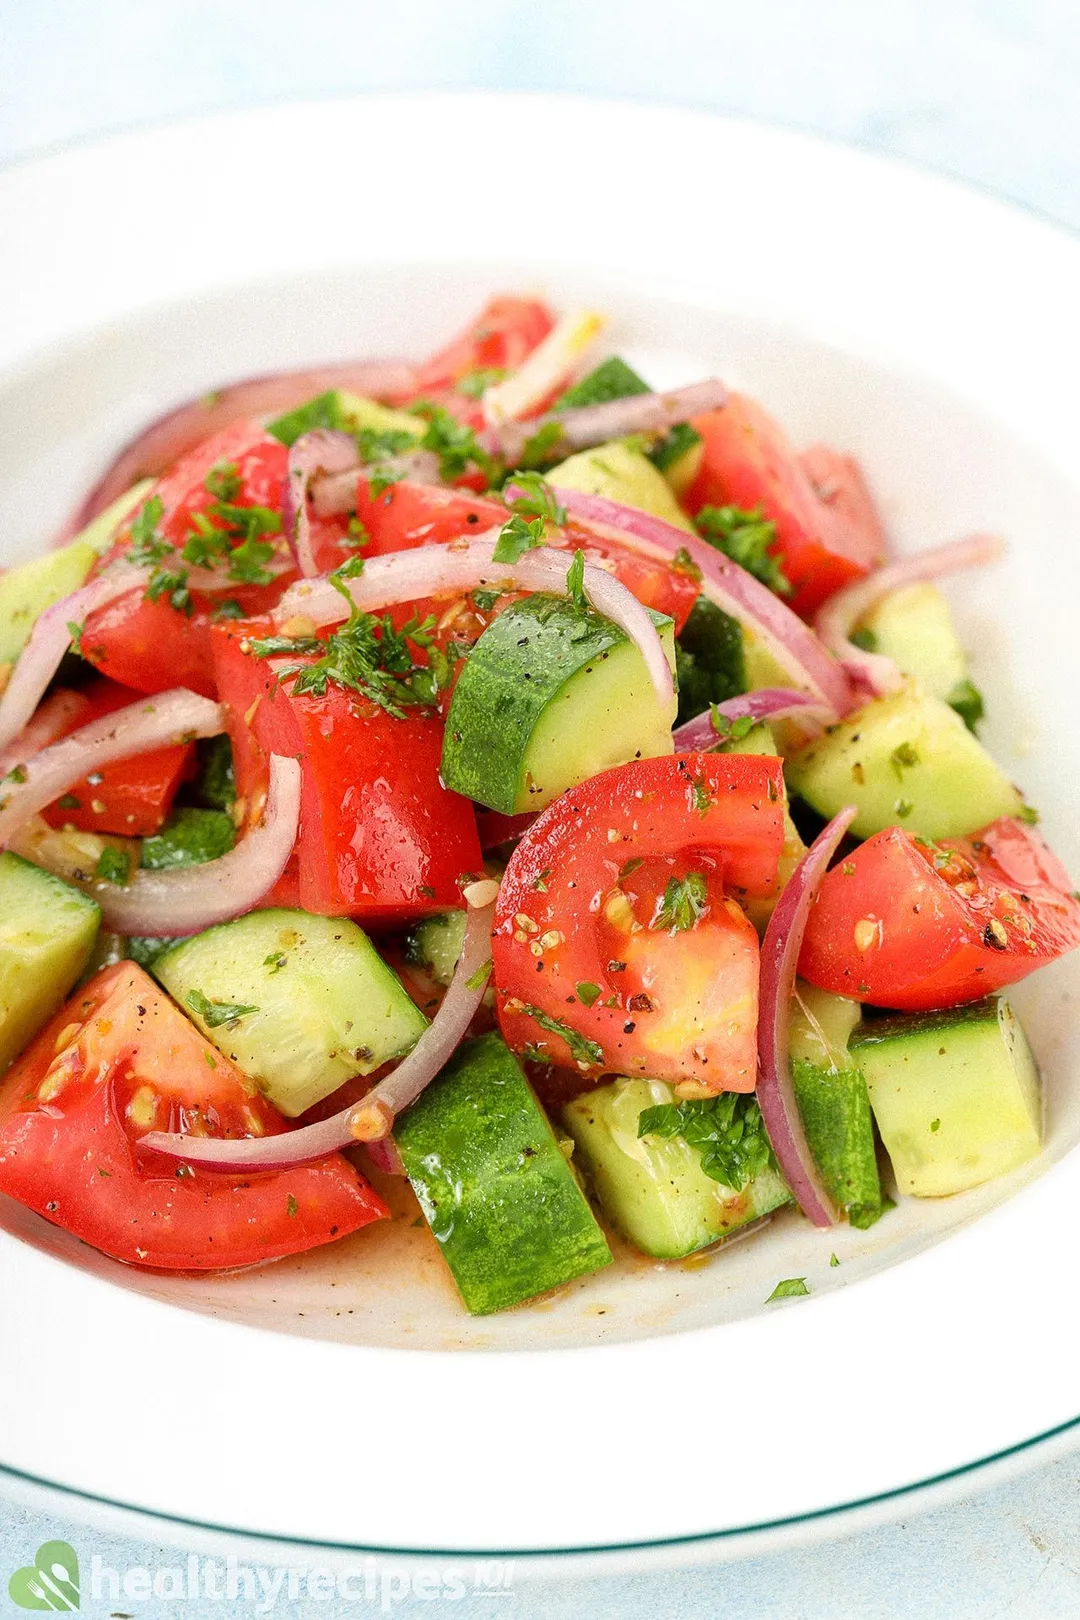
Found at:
<point>332,496</point>
<point>50,640</point>
<point>779,958</point>
<point>171,436</point>
<point>152,722</point>
<point>190,898</point>
<point>789,641</point>
<point>837,617</point>
<point>767,703</point>
<point>614,419</point>
<point>312,454</point>
<point>370,1119</point>
<point>52,720</point>
<point>452,569</point>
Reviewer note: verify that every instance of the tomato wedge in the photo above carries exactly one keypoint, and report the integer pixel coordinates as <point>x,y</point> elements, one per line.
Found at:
<point>132,797</point>
<point>748,461</point>
<point>118,1060</point>
<point>152,645</point>
<point>904,922</point>
<point>380,838</point>
<point>617,945</point>
<point>406,515</point>
<point>503,335</point>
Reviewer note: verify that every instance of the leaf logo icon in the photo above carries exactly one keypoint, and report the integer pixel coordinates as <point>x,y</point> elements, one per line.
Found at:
<point>50,1582</point>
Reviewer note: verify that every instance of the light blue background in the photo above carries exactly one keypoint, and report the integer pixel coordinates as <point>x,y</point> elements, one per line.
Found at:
<point>988,90</point>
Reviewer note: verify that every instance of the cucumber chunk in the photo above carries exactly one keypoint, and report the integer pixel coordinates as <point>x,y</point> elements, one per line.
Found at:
<point>624,474</point>
<point>28,589</point>
<point>550,695</point>
<point>435,944</point>
<point>47,934</point>
<point>343,412</point>
<point>325,1006</point>
<point>651,1187</point>
<point>709,659</point>
<point>955,1095</point>
<point>908,761</point>
<point>188,838</point>
<point>834,1102</point>
<point>495,1189</point>
<point>914,627</point>
<point>761,739</point>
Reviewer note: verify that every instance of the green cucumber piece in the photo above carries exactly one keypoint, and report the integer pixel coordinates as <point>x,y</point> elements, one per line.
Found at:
<point>29,588</point>
<point>325,1006</point>
<point>343,412</point>
<point>914,627</point>
<point>908,761</point>
<point>709,659</point>
<point>496,1190</point>
<point>215,785</point>
<point>833,1101</point>
<point>188,838</point>
<point>48,931</point>
<point>435,944</point>
<point>761,739</point>
<point>955,1094</point>
<point>653,1188</point>
<point>611,379</point>
<point>623,473</point>
<point>550,695</point>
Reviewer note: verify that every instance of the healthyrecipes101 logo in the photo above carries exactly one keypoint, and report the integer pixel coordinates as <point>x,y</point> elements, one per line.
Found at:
<point>52,1582</point>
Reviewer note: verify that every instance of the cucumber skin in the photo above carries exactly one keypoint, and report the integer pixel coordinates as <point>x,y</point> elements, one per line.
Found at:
<point>504,692</point>
<point>495,1189</point>
<point>835,1110</point>
<point>611,379</point>
<point>709,659</point>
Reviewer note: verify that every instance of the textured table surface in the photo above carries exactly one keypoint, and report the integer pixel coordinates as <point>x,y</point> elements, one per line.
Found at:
<point>983,89</point>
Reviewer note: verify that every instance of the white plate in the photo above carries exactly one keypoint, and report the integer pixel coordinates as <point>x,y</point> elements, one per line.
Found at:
<point>346,1397</point>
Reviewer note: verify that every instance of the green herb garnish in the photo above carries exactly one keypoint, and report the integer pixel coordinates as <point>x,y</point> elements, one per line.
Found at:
<point>582,1050</point>
<point>790,1288</point>
<point>216,1013</point>
<point>727,1131</point>
<point>113,866</point>
<point>745,537</point>
<point>682,905</point>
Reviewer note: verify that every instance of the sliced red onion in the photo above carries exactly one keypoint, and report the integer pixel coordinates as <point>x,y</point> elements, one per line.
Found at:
<point>384,1156</point>
<point>171,436</point>
<point>779,958</point>
<point>331,497</point>
<point>312,454</point>
<point>548,368</point>
<point>370,1119</point>
<point>53,719</point>
<point>450,570</point>
<point>152,722</point>
<point>614,419</point>
<point>835,621</point>
<point>49,641</point>
<point>190,898</point>
<point>793,645</point>
<point>767,703</point>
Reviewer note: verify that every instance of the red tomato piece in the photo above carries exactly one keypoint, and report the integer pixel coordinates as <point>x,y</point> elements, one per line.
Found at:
<point>132,797</point>
<point>748,461</point>
<point>118,1060</point>
<point>406,515</point>
<point>502,336</point>
<point>616,944</point>
<point>665,590</point>
<point>380,838</point>
<point>152,646</point>
<point>908,923</point>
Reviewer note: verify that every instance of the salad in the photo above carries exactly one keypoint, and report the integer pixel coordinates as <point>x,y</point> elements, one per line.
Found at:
<point>495,773</point>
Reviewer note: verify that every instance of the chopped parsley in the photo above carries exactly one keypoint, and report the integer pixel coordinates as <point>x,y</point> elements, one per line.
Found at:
<point>674,445</point>
<point>113,866</point>
<point>967,700</point>
<point>728,730</point>
<point>17,773</point>
<point>903,758</point>
<point>531,496</point>
<point>475,384</point>
<point>149,550</point>
<point>543,447</point>
<point>575,581</point>
<point>225,532</point>
<point>477,980</point>
<point>516,537</point>
<point>588,994</point>
<point>682,904</point>
<point>367,655</point>
<point>291,1206</point>
<point>375,444</point>
<point>582,1050</point>
<point>866,639</point>
<point>727,1131</point>
<point>455,444</point>
<point>68,801</point>
<point>790,1288</point>
<point>745,537</point>
<point>275,961</point>
<point>216,1013</point>
<point>75,631</point>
